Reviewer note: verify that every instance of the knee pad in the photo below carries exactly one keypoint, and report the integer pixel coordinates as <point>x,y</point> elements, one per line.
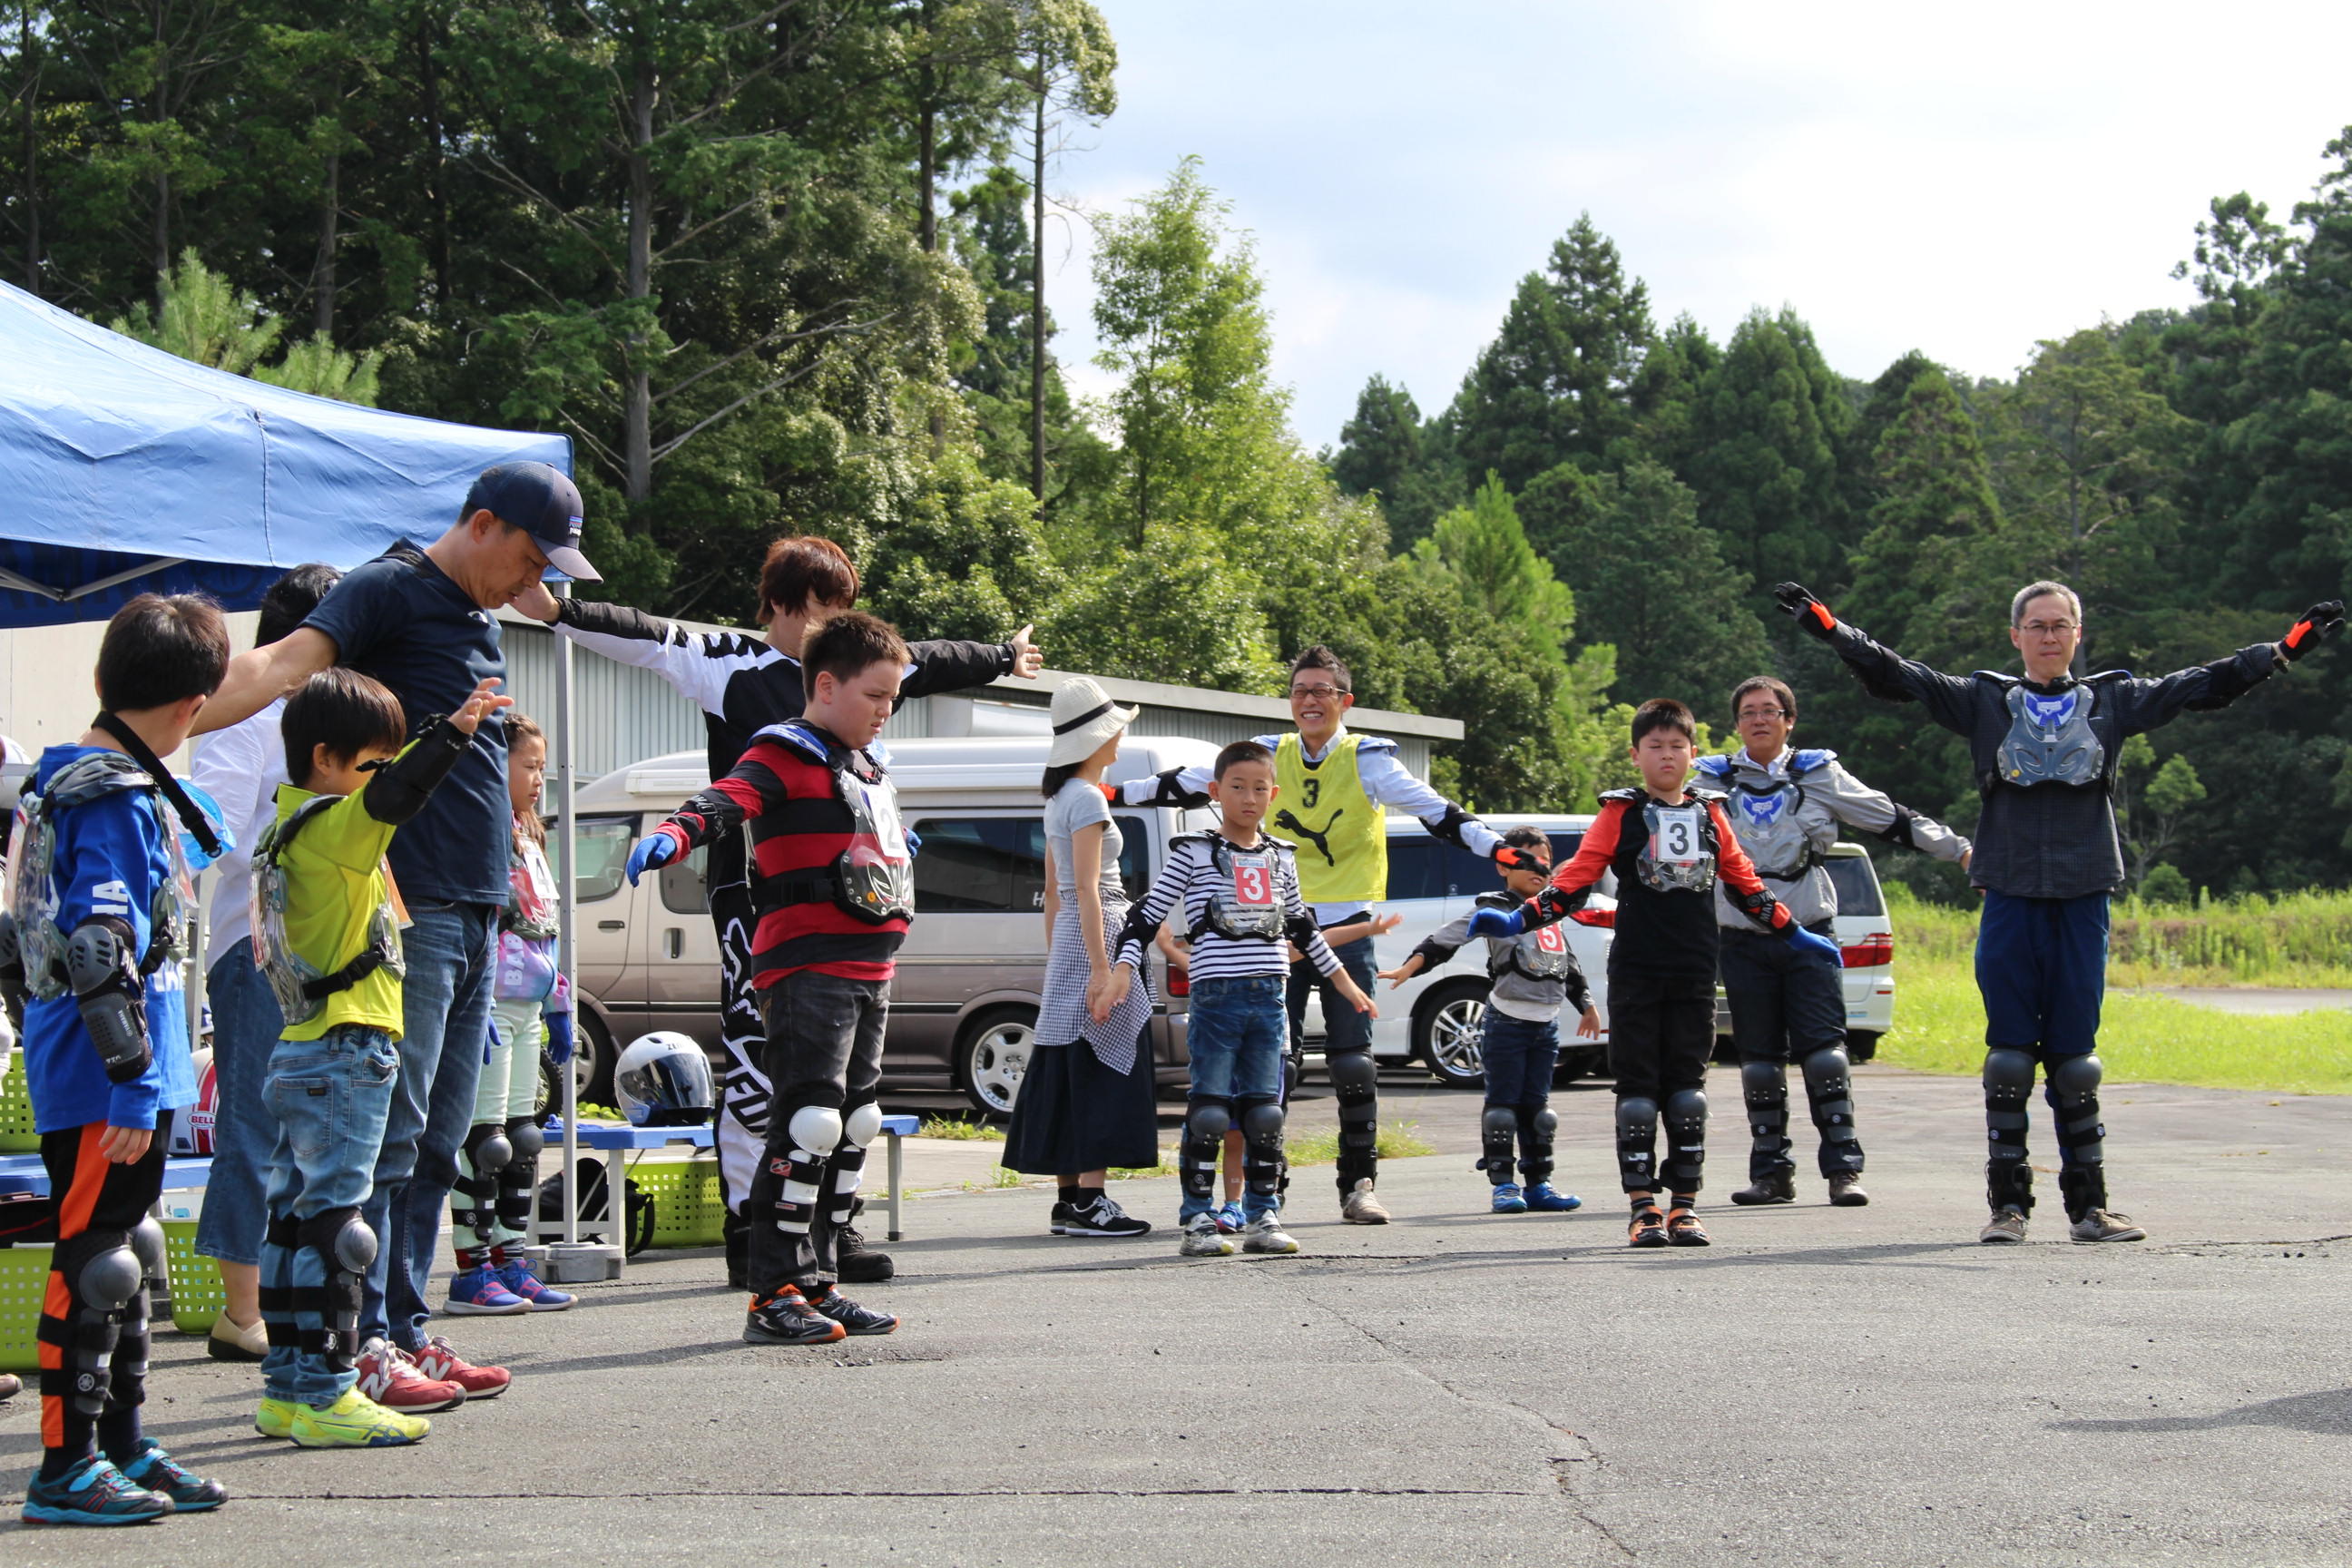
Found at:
<point>487,1148</point>
<point>147,1246</point>
<point>815,1132</point>
<point>1686,1106</point>
<point>1355,1080</point>
<point>1206,1122</point>
<point>1498,1140</point>
<point>524,1134</point>
<point>1499,1121</point>
<point>1828,1073</point>
<point>101,1271</point>
<point>340,1239</point>
<point>862,1126</point>
<point>1763,1083</point>
<point>2075,1084</point>
<point>1545,1124</point>
<point>1261,1146</point>
<point>2008,1084</point>
<point>1636,1113</point>
<point>2076,1079</point>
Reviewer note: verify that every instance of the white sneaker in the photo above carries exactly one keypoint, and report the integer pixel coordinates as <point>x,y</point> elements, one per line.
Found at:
<point>1203,1239</point>
<point>1360,1206</point>
<point>1265,1234</point>
<point>2105,1225</point>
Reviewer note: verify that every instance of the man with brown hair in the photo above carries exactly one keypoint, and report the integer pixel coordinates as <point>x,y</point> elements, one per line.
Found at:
<point>743,684</point>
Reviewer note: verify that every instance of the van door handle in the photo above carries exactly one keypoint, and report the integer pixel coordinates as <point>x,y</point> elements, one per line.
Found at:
<point>612,925</point>
<point>674,941</point>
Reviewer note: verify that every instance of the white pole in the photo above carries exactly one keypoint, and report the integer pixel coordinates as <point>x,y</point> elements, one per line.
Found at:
<point>567,947</point>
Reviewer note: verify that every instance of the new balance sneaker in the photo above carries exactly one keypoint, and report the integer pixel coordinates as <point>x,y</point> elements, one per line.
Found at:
<point>389,1378</point>
<point>1545,1199</point>
<point>274,1417</point>
<point>1103,1216</point>
<point>92,1492</point>
<point>1230,1218</point>
<point>480,1293</point>
<point>854,1319</point>
<point>1203,1239</point>
<point>228,1342</point>
<point>541,1297</point>
<point>2104,1224</point>
<point>156,1470</point>
<point>2007,1225</point>
<point>1060,1221</point>
<point>1265,1235</point>
<point>787,1319</point>
<point>1359,1206</point>
<point>438,1360</point>
<point>857,1263</point>
<point>355,1421</point>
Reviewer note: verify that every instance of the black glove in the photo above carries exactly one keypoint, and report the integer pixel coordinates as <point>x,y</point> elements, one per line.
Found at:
<point>2319,622</point>
<point>1810,613</point>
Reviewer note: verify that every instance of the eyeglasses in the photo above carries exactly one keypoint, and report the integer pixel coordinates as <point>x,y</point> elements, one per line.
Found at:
<point>1745,714</point>
<point>1325,692</point>
<point>2048,628</point>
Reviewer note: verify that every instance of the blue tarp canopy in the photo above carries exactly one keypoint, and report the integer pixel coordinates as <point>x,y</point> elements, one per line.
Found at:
<point>124,469</point>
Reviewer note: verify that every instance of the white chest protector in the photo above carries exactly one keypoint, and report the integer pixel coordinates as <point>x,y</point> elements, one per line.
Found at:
<point>2050,738</point>
<point>1245,903</point>
<point>33,902</point>
<point>1769,819</point>
<point>1538,955</point>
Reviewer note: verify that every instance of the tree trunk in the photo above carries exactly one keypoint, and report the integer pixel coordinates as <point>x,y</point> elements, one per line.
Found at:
<point>323,271</point>
<point>436,197</point>
<point>32,150</point>
<point>927,125</point>
<point>1038,287</point>
<point>162,236</point>
<point>637,436</point>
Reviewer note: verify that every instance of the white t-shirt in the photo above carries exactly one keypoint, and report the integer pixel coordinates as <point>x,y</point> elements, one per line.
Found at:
<point>241,767</point>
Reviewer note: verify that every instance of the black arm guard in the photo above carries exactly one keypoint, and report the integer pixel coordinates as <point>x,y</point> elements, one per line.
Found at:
<point>612,620</point>
<point>1300,929</point>
<point>1898,832</point>
<point>102,967</point>
<point>1136,928</point>
<point>1579,990</point>
<point>1449,825</point>
<point>1762,908</point>
<point>2234,677</point>
<point>1434,955</point>
<point>1552,905</point>
<point>709,816</point>
<point>1168,792</point>
<point>400,787</point>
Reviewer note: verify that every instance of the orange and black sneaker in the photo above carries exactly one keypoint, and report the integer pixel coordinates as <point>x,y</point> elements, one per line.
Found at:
<point>852,1318</point>
<point>1648,1228</point>
<point>787,1319</point>
<point>1684,1229</point>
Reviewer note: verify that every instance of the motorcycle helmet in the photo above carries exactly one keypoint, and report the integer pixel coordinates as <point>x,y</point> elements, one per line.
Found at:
<point>663,1079</point>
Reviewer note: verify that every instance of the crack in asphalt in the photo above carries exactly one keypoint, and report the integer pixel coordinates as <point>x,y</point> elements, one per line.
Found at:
<point>904,1495</point>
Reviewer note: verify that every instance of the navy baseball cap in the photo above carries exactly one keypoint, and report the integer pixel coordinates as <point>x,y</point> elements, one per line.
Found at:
<point>542,502</point>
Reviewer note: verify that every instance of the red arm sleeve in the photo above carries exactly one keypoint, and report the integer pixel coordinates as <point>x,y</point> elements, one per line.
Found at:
<point>752,788</point>
<point>1748,891</point>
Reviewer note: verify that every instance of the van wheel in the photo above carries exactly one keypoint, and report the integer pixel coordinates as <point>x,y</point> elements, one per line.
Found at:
<point>592,1063</point>
<point>1447,1034</point>
<point>1860,1045</point>
<point>993,1058</point>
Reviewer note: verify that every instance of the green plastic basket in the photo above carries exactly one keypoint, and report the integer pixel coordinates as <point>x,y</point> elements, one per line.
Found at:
<point>688,1209</point>
<point>197,1294</point>
<point>16,1135</point>
<point>24,1280</point>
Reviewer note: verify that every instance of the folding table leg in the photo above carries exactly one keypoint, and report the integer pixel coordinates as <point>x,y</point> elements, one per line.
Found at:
<point>895,1185</point>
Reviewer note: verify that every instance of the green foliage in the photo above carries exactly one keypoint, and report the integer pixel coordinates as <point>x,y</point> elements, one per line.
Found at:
<point>1387,451</point>
<point>202,316</point>
<point>2165,886</point>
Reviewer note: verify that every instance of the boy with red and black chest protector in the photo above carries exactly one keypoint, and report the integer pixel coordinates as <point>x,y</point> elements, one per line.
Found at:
<point>1667,845</point>
<point>831,878</point>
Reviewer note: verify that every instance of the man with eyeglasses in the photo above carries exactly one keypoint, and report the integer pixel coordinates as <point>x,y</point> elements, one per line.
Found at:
<point>1787,1002</point>
<point>2045,748</point>
<point>1332,787</point>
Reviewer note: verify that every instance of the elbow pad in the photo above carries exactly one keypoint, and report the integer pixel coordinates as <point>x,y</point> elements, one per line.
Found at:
<point>1300,929</point>
<point>1898,832</point>
<point>1764,910</point>
<point>1555,904</point>
<point>1134,929</point>
<point>102,967</point>
<point>400,787</point>
<point>1168,790</point>
<point>1448,826</point>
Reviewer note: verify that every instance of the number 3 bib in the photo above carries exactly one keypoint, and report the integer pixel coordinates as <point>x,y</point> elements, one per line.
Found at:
<point>1681,848</point>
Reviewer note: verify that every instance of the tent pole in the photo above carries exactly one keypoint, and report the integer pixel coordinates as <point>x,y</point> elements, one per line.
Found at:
<point>567,952</point>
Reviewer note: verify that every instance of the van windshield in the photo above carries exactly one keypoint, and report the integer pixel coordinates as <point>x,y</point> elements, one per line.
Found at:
<point>603,854</point>
<point>1856,884</point>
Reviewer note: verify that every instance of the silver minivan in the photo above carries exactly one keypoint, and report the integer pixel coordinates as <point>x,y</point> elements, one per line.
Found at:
<point>963,1009</point>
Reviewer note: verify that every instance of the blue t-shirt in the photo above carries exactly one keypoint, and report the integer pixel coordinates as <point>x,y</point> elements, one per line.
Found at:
<point>400,619</point>
<point>110,859</point>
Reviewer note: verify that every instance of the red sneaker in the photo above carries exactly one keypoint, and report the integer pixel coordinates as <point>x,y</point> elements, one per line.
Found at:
<point>437,1359</point>
<point>392,1381</point>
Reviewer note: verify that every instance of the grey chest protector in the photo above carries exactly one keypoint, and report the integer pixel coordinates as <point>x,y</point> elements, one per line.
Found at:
<point>2050,738</point>
<point>874,878</point>
<point>1538,955</point>
<point>1679,853</point>
<point>1246,903</point>
<point>1770,821</point>
<point>301,986</point>
<point>33,902</point>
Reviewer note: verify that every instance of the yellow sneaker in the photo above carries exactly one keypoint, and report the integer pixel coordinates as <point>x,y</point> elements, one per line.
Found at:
<point>355,1421</point>
<point>275,1418</point>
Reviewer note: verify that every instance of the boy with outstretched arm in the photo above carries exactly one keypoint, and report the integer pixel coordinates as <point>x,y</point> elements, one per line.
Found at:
<point>326,935</point>
<point>1534,974</point>
<point>1239,891</point>
<point>98,915</point>
<point>1668,846</point>
<point>833,878</point>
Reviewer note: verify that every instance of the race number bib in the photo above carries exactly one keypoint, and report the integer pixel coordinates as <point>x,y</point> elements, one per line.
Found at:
<point>1551,939</point>
<point>1252,884</point>
<point>1676,840</point>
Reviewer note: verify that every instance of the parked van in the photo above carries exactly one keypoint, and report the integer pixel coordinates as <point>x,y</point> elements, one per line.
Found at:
<point>1866,934</point>
<point>963,1010</point>
<point>1436,1017</point>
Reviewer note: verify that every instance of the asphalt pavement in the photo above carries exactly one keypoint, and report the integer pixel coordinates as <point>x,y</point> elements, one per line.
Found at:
<point>1864,1386</point>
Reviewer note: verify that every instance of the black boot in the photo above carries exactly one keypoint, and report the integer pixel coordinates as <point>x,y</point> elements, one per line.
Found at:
<point>857,1263</point>
<point>1773,1187</point>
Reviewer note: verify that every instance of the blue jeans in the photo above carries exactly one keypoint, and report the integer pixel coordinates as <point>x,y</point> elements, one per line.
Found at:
<point>246,1022</point>
<point>329,1099</point>
<point>1518,1057</point>
<point>2041,966</point>
<point>1235,1031</point>
<point>445,1024</point>
<point>1344,1028</point>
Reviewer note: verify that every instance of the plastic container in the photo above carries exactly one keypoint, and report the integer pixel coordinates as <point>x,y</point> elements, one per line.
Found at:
<point>24,1280</point>
<point>689,1208</point>
<point>16,1135</point>
<point>197,1294</point>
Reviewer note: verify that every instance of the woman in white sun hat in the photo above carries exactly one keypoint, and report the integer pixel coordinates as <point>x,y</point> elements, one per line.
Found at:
<point>1087,1101</point>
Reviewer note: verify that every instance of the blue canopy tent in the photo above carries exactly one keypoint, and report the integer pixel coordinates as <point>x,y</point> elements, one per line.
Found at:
<point>124,469</point>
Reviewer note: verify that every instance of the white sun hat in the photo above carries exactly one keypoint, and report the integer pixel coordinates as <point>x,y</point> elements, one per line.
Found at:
<point>1083,717</point>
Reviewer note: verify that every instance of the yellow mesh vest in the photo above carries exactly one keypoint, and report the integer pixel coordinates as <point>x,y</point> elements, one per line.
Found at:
<point>1324,814</point>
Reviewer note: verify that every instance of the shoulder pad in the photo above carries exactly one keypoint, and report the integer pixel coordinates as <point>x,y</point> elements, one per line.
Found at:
<point>800,738</point>
<point>1806,761</point>
<point>2101,677</point>
<point>85,778</point>
<point>1373,742</point>
<point>1715,767</point>
<point>1498,898</point>
<point>1176,838</point>
<point>1625,796</point>
<point>1997,678</point>
<point>1706,794</point>
<point>1280,846</point>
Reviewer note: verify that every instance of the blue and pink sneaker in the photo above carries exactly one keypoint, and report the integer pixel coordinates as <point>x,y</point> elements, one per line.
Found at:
<point>516,1276</point>
<point>480,1293</point>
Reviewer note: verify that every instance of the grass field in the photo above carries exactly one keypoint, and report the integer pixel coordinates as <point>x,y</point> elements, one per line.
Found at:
<point>2298,940</point>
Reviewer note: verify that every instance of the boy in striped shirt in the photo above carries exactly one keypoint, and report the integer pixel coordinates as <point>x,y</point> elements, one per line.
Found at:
<point>1239,890</point>
<point>833,879</point>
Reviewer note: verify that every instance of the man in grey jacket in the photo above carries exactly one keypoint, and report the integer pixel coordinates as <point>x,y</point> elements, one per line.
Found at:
<point>1788,1004</point>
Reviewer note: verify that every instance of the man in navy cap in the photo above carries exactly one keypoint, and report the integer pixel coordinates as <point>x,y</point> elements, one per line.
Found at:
<point>422,622</point>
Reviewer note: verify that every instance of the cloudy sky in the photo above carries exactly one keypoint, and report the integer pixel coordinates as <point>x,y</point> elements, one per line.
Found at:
<point>1963,181</point>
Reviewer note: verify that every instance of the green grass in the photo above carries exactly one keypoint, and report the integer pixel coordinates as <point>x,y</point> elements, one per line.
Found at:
<point>957,1130</point>
<point>1939,1027</point>
<point>1397,1141</point>
<point>2298,940</point>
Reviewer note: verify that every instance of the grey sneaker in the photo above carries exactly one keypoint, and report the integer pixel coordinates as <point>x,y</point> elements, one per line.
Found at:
<point>1203,1239</point>
<point>1845,1191</point>
<point>2007,1225</point>
<point>2104,1225</point>
<point>1265,1234</point>
<point>1360,1206</point>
